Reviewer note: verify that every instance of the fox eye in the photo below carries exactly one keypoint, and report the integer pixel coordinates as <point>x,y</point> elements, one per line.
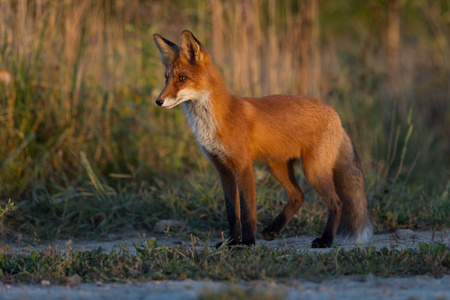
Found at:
<point>181,78</point>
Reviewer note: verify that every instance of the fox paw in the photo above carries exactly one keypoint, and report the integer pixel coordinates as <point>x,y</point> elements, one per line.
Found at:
<point>321,243</point>
<point>269,234</point>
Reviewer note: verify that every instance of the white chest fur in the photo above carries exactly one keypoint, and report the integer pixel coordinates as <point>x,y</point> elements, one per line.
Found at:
<point>201,120</point>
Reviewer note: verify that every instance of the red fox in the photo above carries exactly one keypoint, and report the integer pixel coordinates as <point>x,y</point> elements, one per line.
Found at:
<point>279,130</point>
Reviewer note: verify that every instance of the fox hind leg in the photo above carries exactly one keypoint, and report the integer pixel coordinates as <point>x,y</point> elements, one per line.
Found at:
<point>284,173</point>
<point>322,181</point>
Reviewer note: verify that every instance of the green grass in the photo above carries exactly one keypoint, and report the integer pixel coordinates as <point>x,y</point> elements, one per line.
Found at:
<point>153,262</point>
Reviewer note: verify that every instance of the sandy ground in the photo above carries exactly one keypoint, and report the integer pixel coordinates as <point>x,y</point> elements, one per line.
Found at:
<point>352,287</point>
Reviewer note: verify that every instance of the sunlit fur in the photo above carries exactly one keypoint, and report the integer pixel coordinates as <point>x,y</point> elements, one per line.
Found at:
<point>279,130</point>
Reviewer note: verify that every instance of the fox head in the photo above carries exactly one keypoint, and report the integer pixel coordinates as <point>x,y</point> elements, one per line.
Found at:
<point>186,70</point>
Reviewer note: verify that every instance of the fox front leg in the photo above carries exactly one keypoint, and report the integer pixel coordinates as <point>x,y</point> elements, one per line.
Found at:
<point>231,195</point>
<point>247,196</point>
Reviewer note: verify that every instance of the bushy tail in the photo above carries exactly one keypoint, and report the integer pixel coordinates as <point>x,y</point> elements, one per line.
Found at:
<point>355,223</point>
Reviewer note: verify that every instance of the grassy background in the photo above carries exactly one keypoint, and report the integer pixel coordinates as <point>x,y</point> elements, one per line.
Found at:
<point>85,151</point>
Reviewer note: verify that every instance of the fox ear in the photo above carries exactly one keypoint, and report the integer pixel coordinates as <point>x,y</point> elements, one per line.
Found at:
<point>191,48</point>
<point>169,51</point>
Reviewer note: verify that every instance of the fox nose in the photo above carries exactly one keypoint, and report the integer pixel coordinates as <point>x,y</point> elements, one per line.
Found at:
<point>159,101</point>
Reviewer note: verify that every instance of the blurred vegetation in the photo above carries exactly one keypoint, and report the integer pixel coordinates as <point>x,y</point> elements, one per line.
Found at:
<point>86,150</point>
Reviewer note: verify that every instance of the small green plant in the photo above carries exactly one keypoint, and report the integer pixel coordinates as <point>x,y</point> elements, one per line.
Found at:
<point>8,207</point>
